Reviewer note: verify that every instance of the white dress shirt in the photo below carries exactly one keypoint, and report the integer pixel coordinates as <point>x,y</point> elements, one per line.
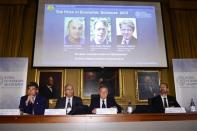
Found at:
<point>125,42</point>
<point>50,88</point>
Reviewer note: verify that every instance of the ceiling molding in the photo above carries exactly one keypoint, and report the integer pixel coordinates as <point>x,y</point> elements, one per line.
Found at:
<point>13,2</point>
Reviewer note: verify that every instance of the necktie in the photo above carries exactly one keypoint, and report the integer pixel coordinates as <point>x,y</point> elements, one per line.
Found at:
<point>165,103</point>
<point>103,104</point>
<point>33,99</point>
<point>68,104</point>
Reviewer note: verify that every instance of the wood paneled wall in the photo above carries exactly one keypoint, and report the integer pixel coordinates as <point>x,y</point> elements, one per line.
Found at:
<point>17,28</point>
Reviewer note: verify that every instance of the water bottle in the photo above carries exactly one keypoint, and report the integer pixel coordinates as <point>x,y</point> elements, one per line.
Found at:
<point>129,108</point>
<point>192,106</point>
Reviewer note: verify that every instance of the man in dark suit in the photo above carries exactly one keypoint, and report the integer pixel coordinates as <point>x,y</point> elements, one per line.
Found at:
<point>162,101</point>
<point>33,103</point>
<point>103,100</point>
<point>49,91</point>
<point>71,103</point>
<point>127,29</point>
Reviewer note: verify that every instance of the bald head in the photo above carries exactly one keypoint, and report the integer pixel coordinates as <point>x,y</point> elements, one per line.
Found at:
<point>69,90</point>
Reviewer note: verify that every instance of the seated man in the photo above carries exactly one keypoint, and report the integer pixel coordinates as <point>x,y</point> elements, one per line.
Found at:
<point>33,103</point>
<point>162,101</point>
<point>71,103</point>
<point>103,100</point>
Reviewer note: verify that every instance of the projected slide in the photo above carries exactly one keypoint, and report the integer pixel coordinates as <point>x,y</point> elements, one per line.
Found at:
<point>99,36</point>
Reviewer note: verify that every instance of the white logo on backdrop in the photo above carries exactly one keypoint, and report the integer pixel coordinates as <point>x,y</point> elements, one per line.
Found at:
<point>185,78</point>
<point>13,76</point>
<point>186,81</point>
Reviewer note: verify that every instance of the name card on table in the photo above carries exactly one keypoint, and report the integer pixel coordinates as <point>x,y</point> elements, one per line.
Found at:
<point>9,112</point>
<point>175,110</point>
<point>55,112</point>
<point>106,111</point>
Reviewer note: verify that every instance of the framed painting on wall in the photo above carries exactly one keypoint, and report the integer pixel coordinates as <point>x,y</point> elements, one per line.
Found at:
<point>50,83</point>
<point>147,85</point>
<point>92,78</point>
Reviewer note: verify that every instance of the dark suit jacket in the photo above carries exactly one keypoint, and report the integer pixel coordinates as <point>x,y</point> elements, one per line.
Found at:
<point>157,104</point>
<point>133,41</point>
<point>45,92</point>
<point>95,103</point>
<point>38,107</point>
<point>77,105</point>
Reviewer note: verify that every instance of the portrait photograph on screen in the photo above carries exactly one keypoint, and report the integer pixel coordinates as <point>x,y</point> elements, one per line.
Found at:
<point>99,34</point>
<point>74,28</point>
<point>126,31</point>
<point>100,31</point>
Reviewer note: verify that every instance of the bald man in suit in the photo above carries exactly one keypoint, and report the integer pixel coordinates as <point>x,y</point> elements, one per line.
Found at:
<point>72,104</point>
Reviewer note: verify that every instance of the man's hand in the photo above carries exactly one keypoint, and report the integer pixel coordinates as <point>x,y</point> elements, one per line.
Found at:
<point>94,111</point>
<point>30,99</point>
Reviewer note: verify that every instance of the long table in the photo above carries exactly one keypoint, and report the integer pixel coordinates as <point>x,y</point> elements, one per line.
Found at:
<point>120,122</point>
